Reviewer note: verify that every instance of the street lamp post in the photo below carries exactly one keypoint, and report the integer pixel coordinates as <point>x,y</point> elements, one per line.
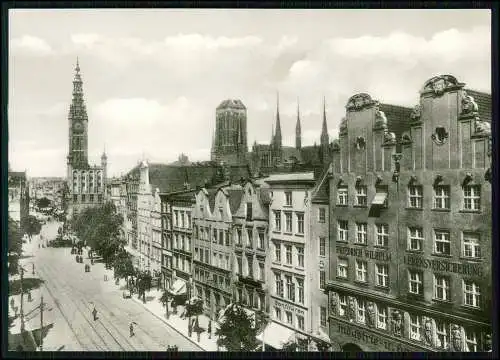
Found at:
<point>22,301</point>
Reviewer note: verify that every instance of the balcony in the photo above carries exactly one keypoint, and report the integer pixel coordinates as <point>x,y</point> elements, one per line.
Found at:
<point>249,280</point>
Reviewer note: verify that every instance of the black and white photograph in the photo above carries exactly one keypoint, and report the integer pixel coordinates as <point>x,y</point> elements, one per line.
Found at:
<point>263,180</point>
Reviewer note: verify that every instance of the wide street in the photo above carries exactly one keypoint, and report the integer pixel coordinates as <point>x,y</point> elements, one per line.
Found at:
<point>72,293</point>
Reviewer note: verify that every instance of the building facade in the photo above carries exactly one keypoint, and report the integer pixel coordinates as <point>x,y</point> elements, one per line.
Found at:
<point>410,258</point>
<point>19,198</point>
<point>289,270</point>
<point>86,183</point>
<point>251,246</point>
<point>213,247</point>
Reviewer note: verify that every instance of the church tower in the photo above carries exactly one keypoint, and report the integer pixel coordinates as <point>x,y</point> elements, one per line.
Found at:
<point>325,139</point>
<point>298,131</point>
<point>277,143</point>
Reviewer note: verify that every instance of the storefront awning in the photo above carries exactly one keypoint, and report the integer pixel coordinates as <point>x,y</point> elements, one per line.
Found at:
<point>179,287</point>
<point>379,198</point>
<point>276,335</point>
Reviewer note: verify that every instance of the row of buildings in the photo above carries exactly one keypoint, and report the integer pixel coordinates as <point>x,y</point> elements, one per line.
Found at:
<point>383,243</point>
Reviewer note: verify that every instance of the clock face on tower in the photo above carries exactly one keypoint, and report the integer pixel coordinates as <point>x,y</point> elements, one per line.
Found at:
<point>78,127</point>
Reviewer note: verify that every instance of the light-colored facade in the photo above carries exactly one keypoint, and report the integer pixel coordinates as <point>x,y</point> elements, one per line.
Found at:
<point>144,226</point>
<point>289,273</point>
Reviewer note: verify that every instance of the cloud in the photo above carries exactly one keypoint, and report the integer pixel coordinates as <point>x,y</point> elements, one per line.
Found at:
<point>30,44</point>
<point>87,40</point>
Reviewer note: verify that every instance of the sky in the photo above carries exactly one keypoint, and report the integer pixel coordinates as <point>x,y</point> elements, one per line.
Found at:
<point>152,78</point>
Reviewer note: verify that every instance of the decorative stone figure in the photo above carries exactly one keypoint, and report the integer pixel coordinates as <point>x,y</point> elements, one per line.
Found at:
<point>469,106</point>
<point>389,138</point>
<point>427,327</point>
<point>416,113</point>
<point>380,120</point>
<point>482,127</point>
<point>343,126</point>
<point>351,310</point>
<point>370,312</point>
<point>405,139</point>
<point>456,338</point>
<point>360,143</point>
<point>397,323</point>
<point>333,303</point>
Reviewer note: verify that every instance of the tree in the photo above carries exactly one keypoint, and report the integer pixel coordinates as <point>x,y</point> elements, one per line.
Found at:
<point>31,226</point>
<point>43,203</point>
<point>15,247</point>
<point>322,345</point>
<point>123,266</point>
<point>237,331</point>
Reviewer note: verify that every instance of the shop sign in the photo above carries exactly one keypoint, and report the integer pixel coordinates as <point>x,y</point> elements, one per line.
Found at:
<point>289,307</point>
<point>444,265</point>
<point>368,254</point>
<point>372,339</point>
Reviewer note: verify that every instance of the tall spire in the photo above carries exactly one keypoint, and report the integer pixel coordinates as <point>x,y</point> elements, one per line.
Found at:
<point>277,136</point>
<point>298,131</point>
<point>324,131</point>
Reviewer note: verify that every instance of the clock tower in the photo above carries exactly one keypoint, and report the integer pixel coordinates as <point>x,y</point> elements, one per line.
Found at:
<point>78,125</point>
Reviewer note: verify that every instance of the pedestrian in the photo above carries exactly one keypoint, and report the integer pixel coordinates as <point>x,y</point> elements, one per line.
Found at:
<point>131,329</point>
<point>29,296</point>
<point>190,328</point>
<point>94,313</point>
<point>176,348</point>
<point>12,303</point>
<point>210,329</point>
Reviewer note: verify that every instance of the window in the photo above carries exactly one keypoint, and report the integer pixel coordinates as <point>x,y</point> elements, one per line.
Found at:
<point>415,196</point>
<point>300,287</point>
<point>342,228</point>
<point>261,272</point>
<point>360,311</point>
<point>442,335</point>
<point>300,223</point>
<point>75,198</point>
<point>470,245</point>
<point>91,197</point>
<point>322,246</point>
<point>361,195</point>
<point>249,237</point>
<point>249,211</point>
<point>415,282</point>
<point>227,262</point>
<point>342,305</point>
<point>300,256</point>
<point>472,197</point>
<point>442,287</point>
<point>288,198</point>
<point>214,237</point>
<point>472,293</point>
<point>221,237</point>
<point>382,275</point>
<point>277,220</point>
<point>201,255</point>
<point>300,322</point>
<point>289,317</point>
<point>288,222</point>
<point>415,239</point>
<point>83,198</point>
<point>321,215</point>
<point>322,316</point>
<point>277,313</point>
<point>240,265</point>
<point>361,271</point>
<point>442,242</point>
<point>415,324</point>
<point>290,288</point>
<point>279,284</point>
<point>342,196</point>
<point>288,252</point>
<point>277,252</point>
<point>322,279</point>
<point>470,341</point>
<point>342,267</point>
<point>441,197</point>
<point>361,233</point>
<point>250,267</point>
<point>382,235</point>
<point>381,317</point>
<point>238,236</point>
<point>261,240</point>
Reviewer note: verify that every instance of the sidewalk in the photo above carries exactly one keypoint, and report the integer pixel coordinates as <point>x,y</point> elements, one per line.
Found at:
<point>155,307</point>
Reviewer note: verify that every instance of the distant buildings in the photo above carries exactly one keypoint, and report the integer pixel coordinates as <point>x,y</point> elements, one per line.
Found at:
<point>19,198</point>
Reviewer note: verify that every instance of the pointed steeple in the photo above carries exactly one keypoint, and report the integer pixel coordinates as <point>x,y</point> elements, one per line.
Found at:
<point>277,136</point>
<point>324,130</point>
<point>104,156</point>
<point>298,130</point>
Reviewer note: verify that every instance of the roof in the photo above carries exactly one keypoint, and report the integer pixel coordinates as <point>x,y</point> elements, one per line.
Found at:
<point>309,176</point>
<point>186,196</point>
<point>398,120</point>
<point>290,152</point>
<point>235,196</point>
<point>17,174</point>
<point>483,101</point>
<point>171,178</point>
<point>231,104</point>
<point>320,193</point>
<point>310,154</point>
